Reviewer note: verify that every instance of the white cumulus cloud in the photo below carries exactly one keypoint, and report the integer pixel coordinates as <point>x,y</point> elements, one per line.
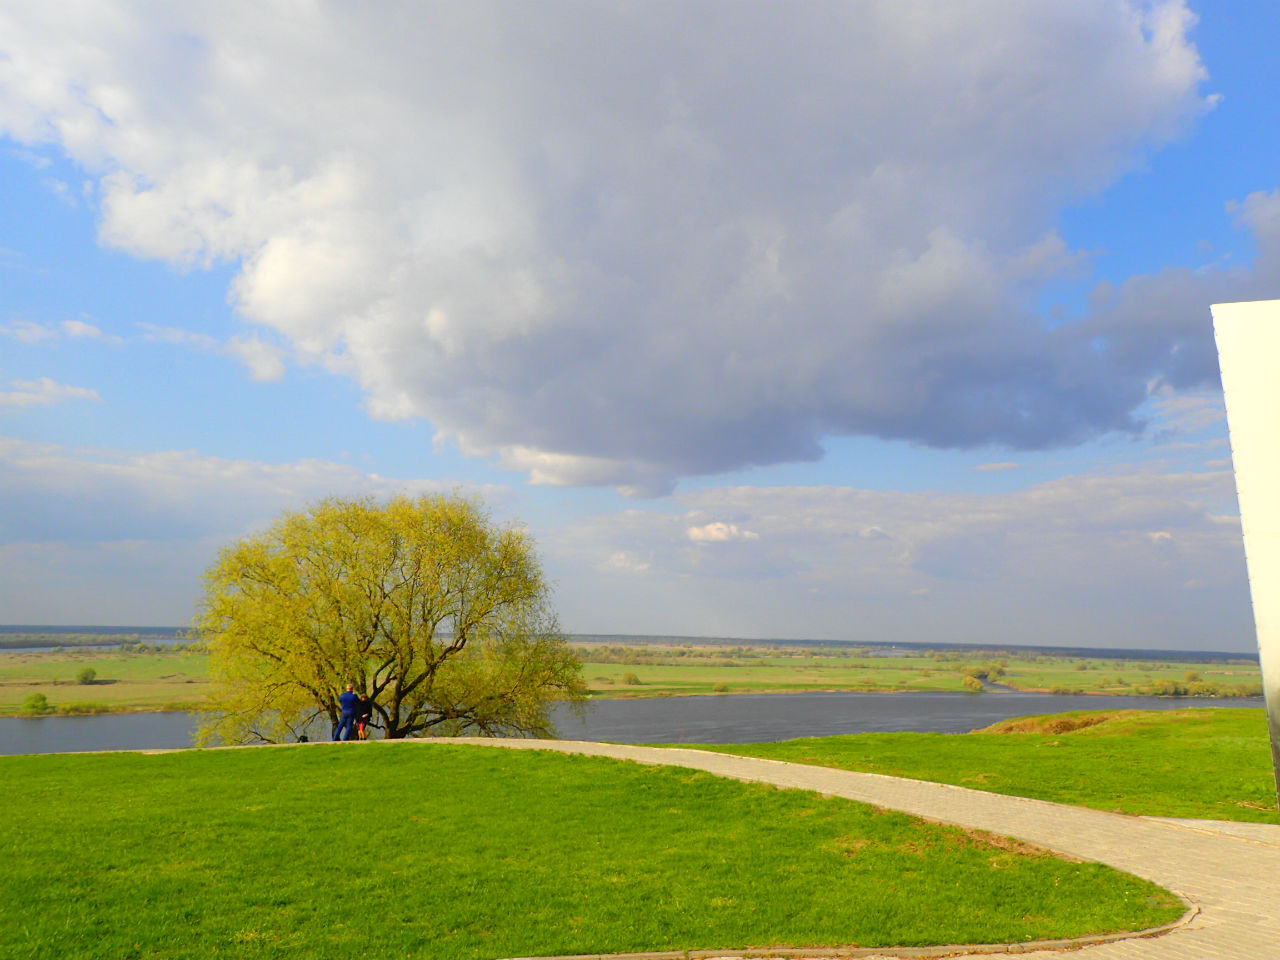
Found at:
<point>620,244</point>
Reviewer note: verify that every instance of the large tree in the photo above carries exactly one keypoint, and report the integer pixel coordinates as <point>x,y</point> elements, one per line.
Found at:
<point>428,608</point>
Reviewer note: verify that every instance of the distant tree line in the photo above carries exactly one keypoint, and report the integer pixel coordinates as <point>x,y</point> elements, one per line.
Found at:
<point>135,642</point>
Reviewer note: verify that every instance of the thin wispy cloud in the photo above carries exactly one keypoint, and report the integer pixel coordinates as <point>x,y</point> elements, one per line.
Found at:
<point>1187,413</point>
<point>84,330</point>
<point>31,158</point>
<point>28,332</point>
<point>87,495</point>
<point>62,190</point>
<point>31,333</point>
<point>1109,554</point>
<point>42,393</point>
<point>85,530</point>
<point>263,360</point>
<point>720,532</point>
<point>1120,559</point>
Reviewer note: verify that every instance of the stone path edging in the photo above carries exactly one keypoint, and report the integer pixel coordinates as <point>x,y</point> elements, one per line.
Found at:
<point>945,952</point>
<point>1229,876</point>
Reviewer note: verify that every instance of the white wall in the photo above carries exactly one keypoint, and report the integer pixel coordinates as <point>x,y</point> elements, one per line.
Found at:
<point>1248,337</point>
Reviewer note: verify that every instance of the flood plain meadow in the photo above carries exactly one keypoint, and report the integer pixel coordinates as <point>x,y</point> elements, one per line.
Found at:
<point>154,677</point>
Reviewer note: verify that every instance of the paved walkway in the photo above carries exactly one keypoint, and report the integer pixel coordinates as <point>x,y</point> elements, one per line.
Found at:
<point>1230,872</point>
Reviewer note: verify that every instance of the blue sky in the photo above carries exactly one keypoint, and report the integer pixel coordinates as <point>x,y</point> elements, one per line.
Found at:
<point>875,322</point>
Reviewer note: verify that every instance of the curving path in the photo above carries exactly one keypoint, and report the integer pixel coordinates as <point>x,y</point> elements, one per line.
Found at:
<point>1229,871</point>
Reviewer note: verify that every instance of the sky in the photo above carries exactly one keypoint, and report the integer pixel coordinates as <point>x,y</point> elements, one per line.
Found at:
<point>878,321</point>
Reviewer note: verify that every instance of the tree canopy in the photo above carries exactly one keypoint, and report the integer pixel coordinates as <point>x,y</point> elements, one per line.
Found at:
<point>437,615</point>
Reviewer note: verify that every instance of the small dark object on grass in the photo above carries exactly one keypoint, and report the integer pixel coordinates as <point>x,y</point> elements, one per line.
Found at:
<point>304,739</point>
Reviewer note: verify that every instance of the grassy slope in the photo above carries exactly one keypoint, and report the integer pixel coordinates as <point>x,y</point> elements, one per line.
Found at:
<point>381,850</point>
<point>1206,763</point>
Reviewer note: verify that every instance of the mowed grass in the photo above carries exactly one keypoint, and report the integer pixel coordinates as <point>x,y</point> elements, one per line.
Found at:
<point>1205,763</point>
<point>397,850</point>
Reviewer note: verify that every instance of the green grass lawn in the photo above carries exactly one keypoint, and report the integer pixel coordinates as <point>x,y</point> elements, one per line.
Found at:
<point>1204,763</point>
<point>381,850</point>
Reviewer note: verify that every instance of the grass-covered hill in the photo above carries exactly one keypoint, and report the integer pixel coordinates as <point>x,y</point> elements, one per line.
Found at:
<point>393,850</point>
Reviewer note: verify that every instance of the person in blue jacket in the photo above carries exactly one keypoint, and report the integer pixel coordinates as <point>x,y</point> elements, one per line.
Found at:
<point>350,704</point>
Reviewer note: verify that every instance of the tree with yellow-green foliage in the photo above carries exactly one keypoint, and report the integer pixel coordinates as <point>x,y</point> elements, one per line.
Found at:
<point>437,615</point>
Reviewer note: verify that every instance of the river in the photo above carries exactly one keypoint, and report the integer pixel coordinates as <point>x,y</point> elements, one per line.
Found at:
<point>736,718</point>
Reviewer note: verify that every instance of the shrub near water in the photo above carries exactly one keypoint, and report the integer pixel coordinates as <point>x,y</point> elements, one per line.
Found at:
<point>385,850</point>
<point>36,705</point>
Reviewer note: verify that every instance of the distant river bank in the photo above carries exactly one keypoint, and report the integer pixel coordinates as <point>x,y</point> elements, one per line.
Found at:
<point>738,718</point>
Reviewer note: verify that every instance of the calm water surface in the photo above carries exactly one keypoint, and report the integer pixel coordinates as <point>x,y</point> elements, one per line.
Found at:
<point>762,717</point>
<point>738,718</point>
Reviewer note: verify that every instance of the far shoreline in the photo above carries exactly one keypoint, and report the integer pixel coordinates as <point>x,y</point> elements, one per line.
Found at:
<point>44,636</point>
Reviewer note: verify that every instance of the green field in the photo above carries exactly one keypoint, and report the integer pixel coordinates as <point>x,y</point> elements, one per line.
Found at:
<point>125,681</point>
<point>657,669</point>
<point>381,850</point>
<point>1202,763</point>
<point>167,680</point>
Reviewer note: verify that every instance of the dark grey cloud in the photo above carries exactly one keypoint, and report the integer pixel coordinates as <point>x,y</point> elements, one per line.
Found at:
<point>1154,325</point>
